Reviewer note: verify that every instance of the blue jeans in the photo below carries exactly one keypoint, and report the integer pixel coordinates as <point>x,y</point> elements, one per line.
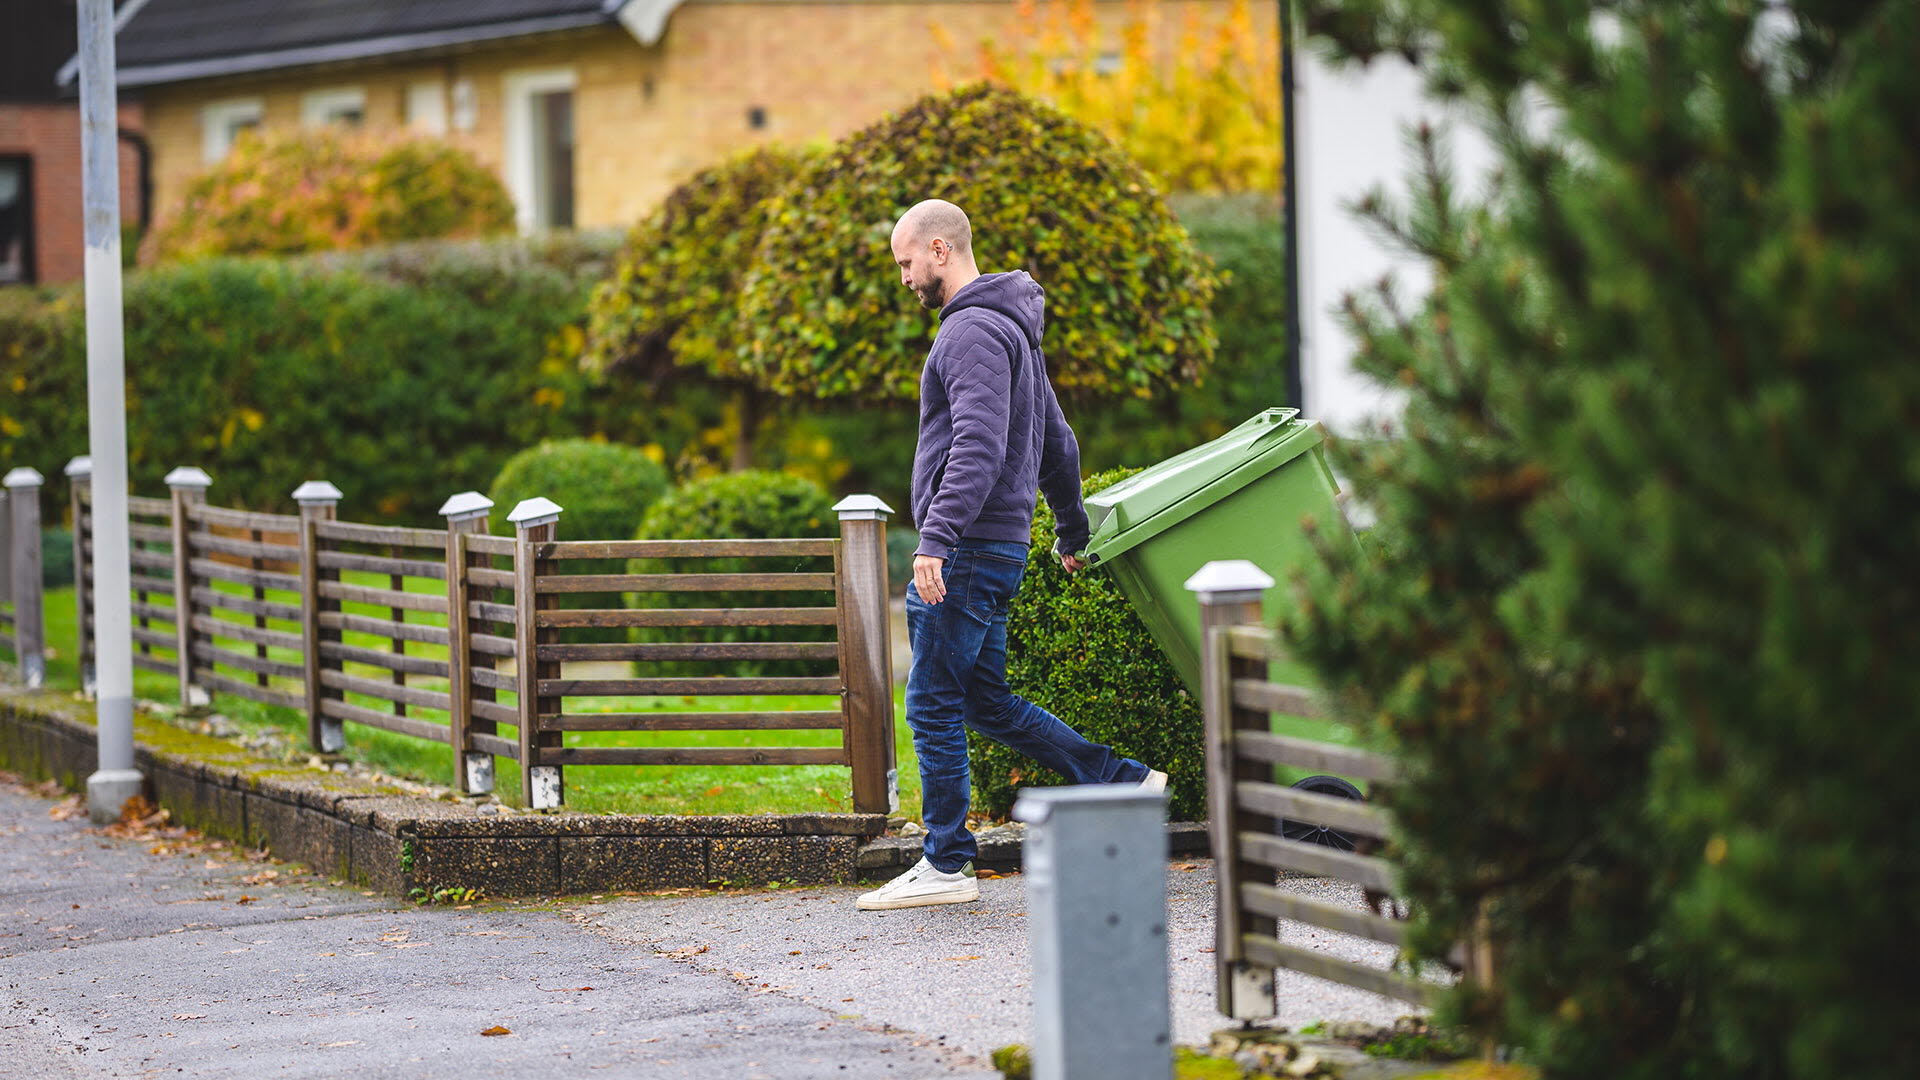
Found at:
<point>959,680</point>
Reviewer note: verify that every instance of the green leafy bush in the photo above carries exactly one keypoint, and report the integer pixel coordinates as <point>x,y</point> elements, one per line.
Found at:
<point>739,506</point>
<point>402,375</point>
<point>823,312</point>
<point>284,193</point>
<point>1076,648</point>
<point>604,489</point>
<point>1642,603</point>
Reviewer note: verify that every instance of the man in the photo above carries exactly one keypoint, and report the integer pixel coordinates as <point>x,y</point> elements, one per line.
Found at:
<point>991,437</point>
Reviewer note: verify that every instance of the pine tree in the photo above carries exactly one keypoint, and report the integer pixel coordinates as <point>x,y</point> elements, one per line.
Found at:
<point>1640,612</point>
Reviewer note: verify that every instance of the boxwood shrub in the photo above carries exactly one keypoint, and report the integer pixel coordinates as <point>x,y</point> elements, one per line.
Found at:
<point>1076,648</point>
<point>603,488</point>
<point>738,506</point>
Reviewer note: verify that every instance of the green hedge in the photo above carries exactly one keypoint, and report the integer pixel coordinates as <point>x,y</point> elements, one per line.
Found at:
<point>739,506</point>
<point>402,375</point>
<point>1076,648</point>
<point>604,489</point>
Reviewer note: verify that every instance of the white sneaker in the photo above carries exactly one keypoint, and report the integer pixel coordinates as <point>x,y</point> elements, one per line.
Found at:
<point>1155,781</point>
<point>922,886</point>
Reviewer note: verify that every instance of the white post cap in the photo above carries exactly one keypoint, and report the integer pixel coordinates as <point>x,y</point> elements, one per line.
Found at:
<point>316,493</point>
<point>189,476</point>
<point>80,466</point>
<point>467,504</point>
<point>1229,581</point>
<point>535,511</point>
<point>23,477</point>
<point>862,508</point>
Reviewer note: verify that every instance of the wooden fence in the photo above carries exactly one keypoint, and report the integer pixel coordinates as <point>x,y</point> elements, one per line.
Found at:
<point>20,596</point>
<point>1246,809</point>
<point>454,635</point>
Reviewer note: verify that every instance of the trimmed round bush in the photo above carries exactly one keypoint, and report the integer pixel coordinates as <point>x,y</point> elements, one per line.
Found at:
<point>748,505</point>
<point>1076,648</point>
<point>284,193</point>
<point>823,313</point>
<point>604,489</point>
<point>672,295</point>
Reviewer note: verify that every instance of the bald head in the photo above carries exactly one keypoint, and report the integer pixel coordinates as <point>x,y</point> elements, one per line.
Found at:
<point>933,246</point>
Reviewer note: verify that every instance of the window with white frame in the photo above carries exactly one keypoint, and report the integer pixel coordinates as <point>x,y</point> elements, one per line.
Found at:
<point>345,106</point>
<point>427,107</point>
<point>539,138</point>
<point>222,122</point>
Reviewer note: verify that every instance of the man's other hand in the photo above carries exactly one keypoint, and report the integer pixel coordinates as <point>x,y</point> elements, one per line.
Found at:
<point>1071,564</point>
<point>927,580</point>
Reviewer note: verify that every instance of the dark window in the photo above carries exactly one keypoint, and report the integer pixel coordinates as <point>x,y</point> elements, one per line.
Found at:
<point>756,118</point>
<point>553,157</point>
<point>16,220</point>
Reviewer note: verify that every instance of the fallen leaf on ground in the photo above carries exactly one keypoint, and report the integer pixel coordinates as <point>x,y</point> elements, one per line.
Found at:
<point>496,1030</point>
<point>565,989</point>
<point>349,1042</point>
<point>189,1016</point>
<point>960,958</point>
<point>245,900</point>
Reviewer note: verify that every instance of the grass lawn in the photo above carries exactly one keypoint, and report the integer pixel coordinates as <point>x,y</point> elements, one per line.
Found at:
<point>653,789</point>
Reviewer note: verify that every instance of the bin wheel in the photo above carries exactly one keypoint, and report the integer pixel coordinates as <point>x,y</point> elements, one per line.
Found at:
<point>1309,833</point>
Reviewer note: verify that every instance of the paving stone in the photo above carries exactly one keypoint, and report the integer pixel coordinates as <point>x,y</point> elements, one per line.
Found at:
<point>497,867</point>
<point>597,863</point>
<point>751,860</point>
<point>824,859</point>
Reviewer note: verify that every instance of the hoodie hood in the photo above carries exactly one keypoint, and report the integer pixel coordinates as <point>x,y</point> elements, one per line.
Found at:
<point>1013,294</point>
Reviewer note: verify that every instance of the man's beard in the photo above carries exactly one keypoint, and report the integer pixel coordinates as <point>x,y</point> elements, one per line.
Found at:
<point>934,296</point>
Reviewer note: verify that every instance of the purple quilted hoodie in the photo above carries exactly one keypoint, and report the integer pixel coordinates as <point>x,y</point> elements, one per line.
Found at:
<point>991,430</point>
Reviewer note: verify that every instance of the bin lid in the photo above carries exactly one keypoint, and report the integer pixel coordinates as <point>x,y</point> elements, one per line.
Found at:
<point>1155,499</point>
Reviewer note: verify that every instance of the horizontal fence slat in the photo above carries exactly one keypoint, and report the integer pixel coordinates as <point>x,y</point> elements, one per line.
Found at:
<point>387,598</point>
<point>699,755</point>
<point>696,617</point>
<point>683,549</point>
<point>207,652</point>
<point>1276,698</point>
<point>494,744</point>
<point>145,506</point>
<point>374,718</point>
<point>702,721</point>
<point>500,613</point>
<point>1278,903</point>
<point>259,579</point>
<point>6,618</point>
<point>143,583</point>
<point>734,687</point>
<point>284,524</point>
<point>213,680</point>
<point>496,712</point>
<point>387,628</point>
<point>281,639</point>
<point>151,560</point>
<point>1316,756</point>
<point>489,545</point>
<point>1347,815</point>
<point>493,680</point>
<point>694,650</point>
<point>489,578</point>
<point>1263,951</point>
<point>353,532</point>
<point>491,645</point>
<point>385,691</point>
<point>204,596</point>
<point>166,666</point>
<point>1252,642</point>
<point>715,583</point>
<point>381,564</point>
<point>226,545</point>
<point>164,639</point>
<point>1317,860</point>
<point>153,534</point>
<point>151,611</point>
<point>392,661</point>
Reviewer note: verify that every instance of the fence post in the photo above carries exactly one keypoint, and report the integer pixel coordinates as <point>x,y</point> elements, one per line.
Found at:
<point>866,664</point>
<point>318,502</point>
<point>1230,594</point>
<point>79,472</point>
<point>188,486</point>
<point>542,787</point>
<point>466,513</point>
<point>1096,868</point>
<point>29,611</point>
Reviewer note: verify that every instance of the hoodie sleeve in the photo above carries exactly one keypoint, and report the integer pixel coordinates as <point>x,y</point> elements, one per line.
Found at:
<point>1060,475</point>
<point>977,375</point>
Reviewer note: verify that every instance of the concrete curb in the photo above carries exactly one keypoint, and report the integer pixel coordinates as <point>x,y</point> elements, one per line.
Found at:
<point>358,830</point>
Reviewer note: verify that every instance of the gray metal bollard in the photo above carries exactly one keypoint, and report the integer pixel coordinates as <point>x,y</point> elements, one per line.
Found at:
<point>1096,866</point>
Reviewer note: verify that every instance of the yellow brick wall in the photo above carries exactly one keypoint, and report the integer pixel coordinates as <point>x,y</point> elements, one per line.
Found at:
<point>647,117</point>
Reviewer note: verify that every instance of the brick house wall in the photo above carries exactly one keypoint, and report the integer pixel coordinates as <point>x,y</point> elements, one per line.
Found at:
<point>647,117</point>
